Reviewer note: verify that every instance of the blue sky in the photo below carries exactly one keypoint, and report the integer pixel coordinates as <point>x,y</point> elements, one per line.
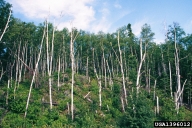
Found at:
<point>107,15</point>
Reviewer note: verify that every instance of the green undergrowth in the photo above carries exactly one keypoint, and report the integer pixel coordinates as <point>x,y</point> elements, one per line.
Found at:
<point>139,111</point>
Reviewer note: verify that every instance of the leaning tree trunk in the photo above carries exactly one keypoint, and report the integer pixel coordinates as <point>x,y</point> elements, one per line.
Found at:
<point>122,72</point>
<point>6,26</point>
<point>34,74</point>
<point>139,69</point>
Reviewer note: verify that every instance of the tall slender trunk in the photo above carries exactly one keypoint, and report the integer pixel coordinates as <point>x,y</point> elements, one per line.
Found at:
<point>87,68</point>
<point>34,73</point>
<point>170,79</point>
<point>7,97</point>
<point>140,65</point>
<point>122,71</point>
<point>49,62</point>
<point>157,105</point>
<point>72,69</point>
<point>178,93</point>
<point>99,81</point>
<point>58,75</point>
<point>110,77</point>
<point>104,66</point>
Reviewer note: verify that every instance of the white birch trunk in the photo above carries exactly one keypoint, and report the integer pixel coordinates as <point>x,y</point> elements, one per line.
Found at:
<point>122,72</point>
<point>72,69</point>
<point>87,68</point>
<point>99,81</point>
<point>154,89</point>
<point>29,95</point>
<point>58,77</point>
<point>7,97</point>
<point>149,81</point>
<point>140,65</point>
<point>6,26</point>
<point>157,105</point>
<point>170,78</point>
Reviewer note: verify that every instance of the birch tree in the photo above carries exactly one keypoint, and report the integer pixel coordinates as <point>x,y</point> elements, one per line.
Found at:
<point>72,68</point>
<point>140,65</point>
<point>98,79</point>
<point>122,70</point>
<point>50,60</point>
<point>34,73</point>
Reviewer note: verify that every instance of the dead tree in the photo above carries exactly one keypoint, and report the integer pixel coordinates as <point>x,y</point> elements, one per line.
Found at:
<point>179,91</point>
<point>122,71</point>
<point>140,65</point>
<point>72,69</point>
<point>29,95</point>
<point>6,26</point>
<point>98,79</point>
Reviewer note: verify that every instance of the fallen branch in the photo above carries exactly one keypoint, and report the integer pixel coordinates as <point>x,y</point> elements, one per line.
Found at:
<point>86,95</point>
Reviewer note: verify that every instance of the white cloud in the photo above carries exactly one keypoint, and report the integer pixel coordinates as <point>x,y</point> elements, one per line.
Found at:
<point>136,27</point>
<point>102,24</point>
<point>159,41</point>
<point>117,6</point>
<point>78,11</point>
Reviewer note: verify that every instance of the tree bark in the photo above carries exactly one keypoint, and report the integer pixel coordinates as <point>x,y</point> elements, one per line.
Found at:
<point>58,75</point>
<point>122,71</point>
<point>170,79</point>
<point>140,65</point>
<point>34,73</point>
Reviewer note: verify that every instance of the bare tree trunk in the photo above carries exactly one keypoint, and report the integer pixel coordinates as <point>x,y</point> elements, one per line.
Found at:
<point>2,72</point>
<point>170,78</point>
<point>58,85</point>
<point>87,68</point>
<point>110,77</point>
<point>72,69</point>
<point>21,65</point>
<point>104,66</point>
<point>122,72</point>
<point>7,97</point>
<point>149,81</point>
<point>99,81</point>
<point>157,105</point>
<point>6,26</point>
<point>154,89</point>
<point>49,63</point>
<point>25,62</point>
<point>34,73</point>
<point>140,65</point>
<point>122,102</point>
<point>178,98</point>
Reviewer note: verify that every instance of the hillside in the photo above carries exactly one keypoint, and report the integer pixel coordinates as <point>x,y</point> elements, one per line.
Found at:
<point>140,111</point>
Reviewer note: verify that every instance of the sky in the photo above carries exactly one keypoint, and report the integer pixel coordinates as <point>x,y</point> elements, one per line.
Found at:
<point>107,15</point>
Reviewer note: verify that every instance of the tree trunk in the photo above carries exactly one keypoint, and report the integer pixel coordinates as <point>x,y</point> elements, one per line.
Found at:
<point>34,73</point>
<point>99,81</point>
<point>170,78</point>
<point>72,69</point>
<point>122,72</point>
<point>58,73</point>
<point>140,65</point>
<point>157,105</point>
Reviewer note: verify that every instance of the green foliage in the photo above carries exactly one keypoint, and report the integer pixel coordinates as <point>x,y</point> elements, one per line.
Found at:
<point>139,113</point>
<point>168,104</point>
<point>13,120</point>
<point>87,113</point>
